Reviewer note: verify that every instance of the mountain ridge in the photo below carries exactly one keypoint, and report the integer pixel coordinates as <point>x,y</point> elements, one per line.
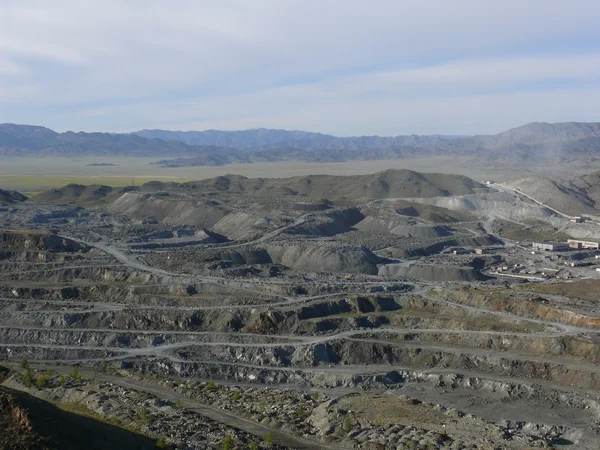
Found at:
<point>531,144</point>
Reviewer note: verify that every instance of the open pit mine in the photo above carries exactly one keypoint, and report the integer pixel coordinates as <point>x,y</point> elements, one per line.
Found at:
<point>387,311</point>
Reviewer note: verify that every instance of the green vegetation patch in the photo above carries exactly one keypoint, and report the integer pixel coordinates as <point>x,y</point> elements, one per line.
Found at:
<point>391,409</point>
<point>586,290</point>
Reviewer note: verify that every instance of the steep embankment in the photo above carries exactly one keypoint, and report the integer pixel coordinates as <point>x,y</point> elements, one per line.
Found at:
<point>28,423</point>
<point>22,240</point>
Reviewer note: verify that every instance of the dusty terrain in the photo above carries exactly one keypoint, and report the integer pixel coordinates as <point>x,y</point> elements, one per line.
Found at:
<point>313,312</point>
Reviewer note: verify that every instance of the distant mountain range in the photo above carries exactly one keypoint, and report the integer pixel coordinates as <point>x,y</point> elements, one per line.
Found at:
<point>262,139</point>
<point>28,140</point>
<point>532,144</point>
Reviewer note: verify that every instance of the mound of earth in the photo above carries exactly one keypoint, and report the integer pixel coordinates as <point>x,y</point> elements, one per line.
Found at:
<point>427,272</point>
<point>11,197</point>
<point>323,257</point>
<point>400,228</point>
<point>81,195</point>
<point>175,210</point>
<point>167,209</point>
<point>431,213</point>
<point>329,224</point>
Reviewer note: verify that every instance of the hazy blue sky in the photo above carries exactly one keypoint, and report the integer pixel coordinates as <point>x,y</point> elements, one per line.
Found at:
<point>345,67</point>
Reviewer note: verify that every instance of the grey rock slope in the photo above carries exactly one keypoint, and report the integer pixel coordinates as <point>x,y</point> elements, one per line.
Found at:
<point>580,195</point>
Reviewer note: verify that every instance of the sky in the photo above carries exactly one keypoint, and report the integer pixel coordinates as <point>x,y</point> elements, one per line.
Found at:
<point>343,67</point>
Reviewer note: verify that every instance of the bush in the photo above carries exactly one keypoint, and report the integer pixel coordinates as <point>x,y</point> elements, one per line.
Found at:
<point>61,380</point>
<point>227,442</point>
<point>347,423</point>
<point>144,415</point>
<point>236,396</point>
<point>161,443</point>
<point>269,438</point>
<point>252,445</point>
<point>76,375</point>
<point>316,396</point>
<point>41,382</point>
<point>210,386</point>
<point>300,411</point>
<point>27,378</point>
<point>24,364</point>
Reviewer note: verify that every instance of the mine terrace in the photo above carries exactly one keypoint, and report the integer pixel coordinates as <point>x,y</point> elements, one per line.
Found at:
<point>398,309</point>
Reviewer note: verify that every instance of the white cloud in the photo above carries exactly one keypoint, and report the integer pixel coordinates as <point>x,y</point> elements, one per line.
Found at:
<point>98,65</point>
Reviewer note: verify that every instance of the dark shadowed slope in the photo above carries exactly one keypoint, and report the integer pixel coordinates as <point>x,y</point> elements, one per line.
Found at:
<point>11,197</point>
<point>28,423</point>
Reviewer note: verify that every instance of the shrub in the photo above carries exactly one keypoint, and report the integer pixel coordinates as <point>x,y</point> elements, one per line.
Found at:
<point>347,423</point>
<point>300,411</point>
<point>227,442</point>
<point>161,443</point>
<point>269,438</point>
<point>236,396</point>
<point>27,378</point>
<point>41,382</point>
<point>76,375</point>
<point>210,386</point>
<point>24,364</point>
<point>144,415</point>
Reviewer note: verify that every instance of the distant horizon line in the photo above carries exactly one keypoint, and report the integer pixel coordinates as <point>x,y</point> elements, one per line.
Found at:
<point>300,131</point>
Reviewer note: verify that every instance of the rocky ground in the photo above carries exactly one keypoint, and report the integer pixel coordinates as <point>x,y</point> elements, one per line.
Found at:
<point>323,324</point>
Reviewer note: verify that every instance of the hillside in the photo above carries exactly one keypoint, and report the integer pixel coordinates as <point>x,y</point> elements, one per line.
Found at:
<point>81,195</point>
<point>580,195</point>
<point>11,197</point>
<point>388,184</point>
